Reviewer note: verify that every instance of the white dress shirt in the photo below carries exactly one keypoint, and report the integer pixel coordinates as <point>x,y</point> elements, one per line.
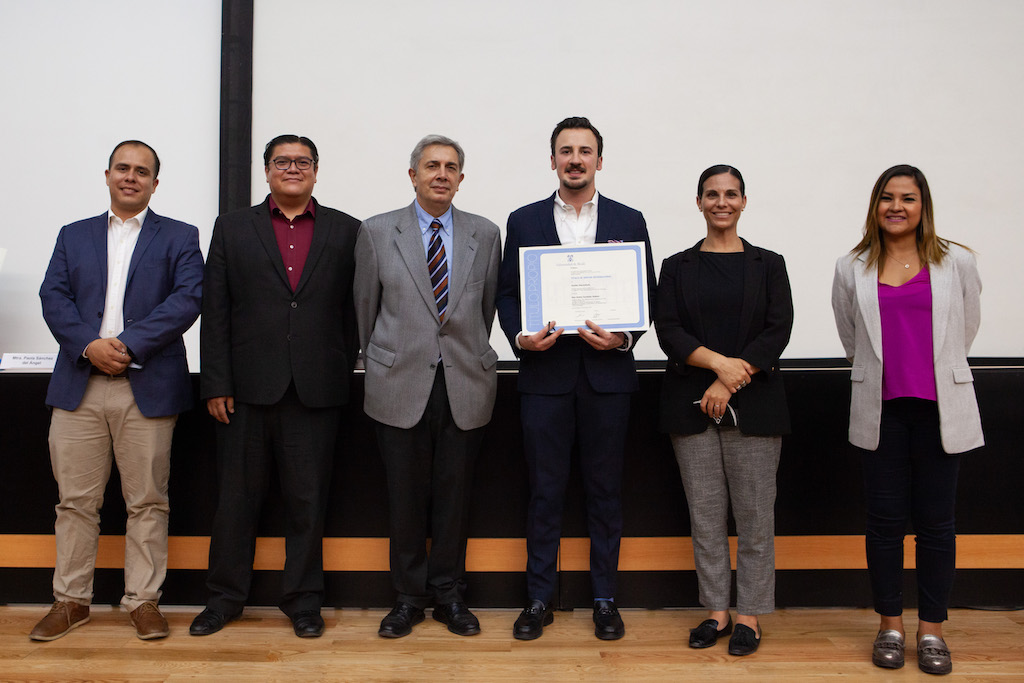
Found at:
<point>122,236</point>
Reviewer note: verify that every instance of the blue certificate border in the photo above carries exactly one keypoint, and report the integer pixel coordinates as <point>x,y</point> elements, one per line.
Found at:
<point>532,303</point>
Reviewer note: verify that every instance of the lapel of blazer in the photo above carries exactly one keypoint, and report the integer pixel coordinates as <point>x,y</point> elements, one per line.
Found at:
<point>147,232</point>
<point>606,223</point>
<point>99,240</point>
<point>689,282</point>
<point>941,277</point>
<point>316,247</point>
<point>409,241</point>
<point>265,233</point>
<point>753,276</point>
<point>547,223</point>
<point>464,245</point>
<point>866,281</point>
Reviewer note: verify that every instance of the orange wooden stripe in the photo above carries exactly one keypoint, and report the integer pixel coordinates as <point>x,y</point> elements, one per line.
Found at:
<point>976,551</point>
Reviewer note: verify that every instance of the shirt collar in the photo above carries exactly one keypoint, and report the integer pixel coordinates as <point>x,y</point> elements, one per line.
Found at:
<point>310,208</point>
<point>564,206</point>
<point>140,217</point>
<point>426,219</point>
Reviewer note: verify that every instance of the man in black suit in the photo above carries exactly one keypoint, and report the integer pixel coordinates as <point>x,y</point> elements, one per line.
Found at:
<point>576,387</point>
<point>278,344</point>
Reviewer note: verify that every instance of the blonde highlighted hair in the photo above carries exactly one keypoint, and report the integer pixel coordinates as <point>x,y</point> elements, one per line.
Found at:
<point>931,248</point>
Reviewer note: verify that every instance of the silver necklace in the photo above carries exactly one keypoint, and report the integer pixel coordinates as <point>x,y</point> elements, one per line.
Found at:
<point>905,265</point>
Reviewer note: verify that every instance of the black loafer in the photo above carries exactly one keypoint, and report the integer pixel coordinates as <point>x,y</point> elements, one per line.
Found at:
<point>531,622</point>
<point>400,620</point>
<point>308,624</point>
<point>210,621</point>
<point>457,617</point>
<point>744,641</point>
<point>707,634</point>
<point>607,622</point>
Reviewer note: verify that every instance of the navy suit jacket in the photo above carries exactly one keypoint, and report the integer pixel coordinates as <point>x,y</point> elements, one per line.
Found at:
<point>161,301</point>
<point>556,370</point>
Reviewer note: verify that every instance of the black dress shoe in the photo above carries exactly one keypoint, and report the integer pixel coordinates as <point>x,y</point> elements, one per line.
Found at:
<point>457,617</point>
<point>308,623</point>
<point>744,641</point>
<point>707,634</point>
<point>531,622</point>
<point>210,621</point>
<point>400,620</point>
<point>607,622</point>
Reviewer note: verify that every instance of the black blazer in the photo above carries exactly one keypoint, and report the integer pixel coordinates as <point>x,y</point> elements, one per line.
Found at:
<point>556,370</point>
<point>765,325</point>
<point>257,335</point>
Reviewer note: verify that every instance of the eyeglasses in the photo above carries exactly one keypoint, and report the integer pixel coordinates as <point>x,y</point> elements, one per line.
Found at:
<point>284,163</point>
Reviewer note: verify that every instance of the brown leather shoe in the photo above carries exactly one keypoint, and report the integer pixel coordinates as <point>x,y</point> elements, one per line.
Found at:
<point>148,621</point>
<point>63,617</point>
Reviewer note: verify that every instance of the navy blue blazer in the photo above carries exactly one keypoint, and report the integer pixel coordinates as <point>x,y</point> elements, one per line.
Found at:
<point>766,321</point>
<point>556,370</point>
<point>161,301</point>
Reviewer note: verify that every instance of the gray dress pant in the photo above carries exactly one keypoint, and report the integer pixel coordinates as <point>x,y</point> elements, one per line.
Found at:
<point>718,466</point>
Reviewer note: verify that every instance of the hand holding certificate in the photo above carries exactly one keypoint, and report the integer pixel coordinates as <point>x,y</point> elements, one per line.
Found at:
<point>603,283</point>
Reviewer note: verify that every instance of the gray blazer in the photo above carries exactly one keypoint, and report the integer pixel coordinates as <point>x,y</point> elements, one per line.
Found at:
<point>399,329</point>
<point>956,315</point>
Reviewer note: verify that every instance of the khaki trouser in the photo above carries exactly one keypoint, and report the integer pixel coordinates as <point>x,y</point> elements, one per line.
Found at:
<point>107,426</point>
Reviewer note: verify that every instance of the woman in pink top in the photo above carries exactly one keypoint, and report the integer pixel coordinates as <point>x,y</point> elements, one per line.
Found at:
<point>906,304</point>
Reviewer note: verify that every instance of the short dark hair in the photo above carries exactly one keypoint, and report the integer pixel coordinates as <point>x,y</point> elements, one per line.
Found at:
<point>577,122</point>
<point>287,140</point>
<point>718,170</point>
<point>136,143</point>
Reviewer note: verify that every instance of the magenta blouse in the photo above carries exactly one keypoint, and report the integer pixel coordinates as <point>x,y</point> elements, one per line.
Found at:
<point>908,367</point>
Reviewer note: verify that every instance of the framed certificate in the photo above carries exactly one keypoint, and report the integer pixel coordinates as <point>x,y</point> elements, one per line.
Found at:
<point>603,283</point>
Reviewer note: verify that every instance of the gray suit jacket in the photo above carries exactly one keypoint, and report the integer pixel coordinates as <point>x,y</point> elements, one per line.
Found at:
<point>399,329</point>
<point>956,315</point>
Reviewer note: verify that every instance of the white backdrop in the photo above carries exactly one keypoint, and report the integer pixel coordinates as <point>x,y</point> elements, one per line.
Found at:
<point>810,99</point>
<point>77,78</point>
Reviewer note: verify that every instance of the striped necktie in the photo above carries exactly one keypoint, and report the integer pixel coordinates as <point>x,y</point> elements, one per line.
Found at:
<point>437,265</point>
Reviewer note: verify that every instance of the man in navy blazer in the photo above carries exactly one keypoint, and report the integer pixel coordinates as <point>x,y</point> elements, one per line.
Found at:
<point>575,387</point>
<point>120,291</point>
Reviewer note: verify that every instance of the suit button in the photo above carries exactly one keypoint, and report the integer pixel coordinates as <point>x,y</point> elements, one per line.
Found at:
<point>433,366</point>
<point>289,337</point>
<point>100,315</point>
<point>295,304</point>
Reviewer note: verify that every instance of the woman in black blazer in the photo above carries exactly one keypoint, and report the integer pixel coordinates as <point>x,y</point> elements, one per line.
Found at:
<point>724,314</point>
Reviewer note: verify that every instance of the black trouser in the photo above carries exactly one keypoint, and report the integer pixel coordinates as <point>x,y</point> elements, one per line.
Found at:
<point>909,476</point>
<point>429,471</point>
<point>300,443</point>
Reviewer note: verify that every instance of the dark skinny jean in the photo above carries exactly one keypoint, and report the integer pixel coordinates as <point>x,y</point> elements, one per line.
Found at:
<point>910,477</point>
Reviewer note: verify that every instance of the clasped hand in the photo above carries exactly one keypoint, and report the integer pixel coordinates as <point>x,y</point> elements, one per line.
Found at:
<point>110,355</point>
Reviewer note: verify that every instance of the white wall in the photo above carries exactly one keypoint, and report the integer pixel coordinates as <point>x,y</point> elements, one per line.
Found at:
<point>77,78</point>
<point>810,99</point>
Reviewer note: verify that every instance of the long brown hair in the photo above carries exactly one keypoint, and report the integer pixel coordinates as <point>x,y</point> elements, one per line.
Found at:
<point>931,248</point>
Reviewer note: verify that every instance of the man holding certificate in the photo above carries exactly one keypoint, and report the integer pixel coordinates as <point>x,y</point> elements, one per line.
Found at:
<point>575,376</point>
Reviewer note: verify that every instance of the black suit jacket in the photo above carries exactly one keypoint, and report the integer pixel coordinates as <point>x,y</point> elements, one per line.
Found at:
<point>766,320</point>
<point>257,335</point>
<point>556,370</point>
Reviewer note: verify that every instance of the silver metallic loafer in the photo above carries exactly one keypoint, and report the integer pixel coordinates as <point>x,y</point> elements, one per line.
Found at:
<point>933,655</point>
<point>887,652</point>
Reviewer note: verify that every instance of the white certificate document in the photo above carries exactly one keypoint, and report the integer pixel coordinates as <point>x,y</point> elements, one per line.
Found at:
<point>603,283</point>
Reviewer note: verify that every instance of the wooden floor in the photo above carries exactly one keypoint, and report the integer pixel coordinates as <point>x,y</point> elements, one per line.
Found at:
<point>799,645</point>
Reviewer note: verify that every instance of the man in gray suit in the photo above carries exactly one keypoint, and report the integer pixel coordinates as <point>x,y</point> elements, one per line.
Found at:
<point>425,282</point>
